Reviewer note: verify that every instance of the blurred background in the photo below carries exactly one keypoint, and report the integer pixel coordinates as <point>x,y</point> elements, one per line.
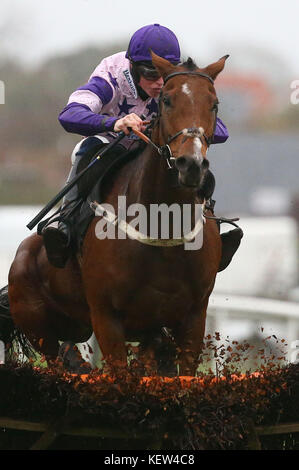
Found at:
<point>49,49</point>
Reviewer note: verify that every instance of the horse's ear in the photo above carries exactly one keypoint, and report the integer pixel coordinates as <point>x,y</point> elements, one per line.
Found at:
<point>214,69</point>
<point>162,65</point>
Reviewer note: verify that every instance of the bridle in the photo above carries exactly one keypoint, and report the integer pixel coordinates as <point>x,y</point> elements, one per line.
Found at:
<point>165,150</point>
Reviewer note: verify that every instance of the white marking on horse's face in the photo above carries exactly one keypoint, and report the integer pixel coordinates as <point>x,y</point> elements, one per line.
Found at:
<point>186,90</point>
<point>197,149</point>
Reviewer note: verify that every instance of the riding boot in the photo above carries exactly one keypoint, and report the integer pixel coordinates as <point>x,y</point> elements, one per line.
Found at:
<point>230,243</point>
<point>57,236</point>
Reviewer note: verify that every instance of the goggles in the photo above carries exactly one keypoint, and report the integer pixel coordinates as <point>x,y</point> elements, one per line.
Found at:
<point>148,72</point>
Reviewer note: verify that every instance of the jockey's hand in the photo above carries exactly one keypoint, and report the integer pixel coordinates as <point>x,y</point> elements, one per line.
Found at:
<point>129,121</point>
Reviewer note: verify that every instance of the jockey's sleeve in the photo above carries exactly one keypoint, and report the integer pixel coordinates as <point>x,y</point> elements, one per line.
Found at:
<point>79,119</point>
<point>82,115</point>
<point>221,132</point>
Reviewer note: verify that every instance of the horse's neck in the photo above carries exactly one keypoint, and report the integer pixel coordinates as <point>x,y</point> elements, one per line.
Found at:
<point>151,182</point>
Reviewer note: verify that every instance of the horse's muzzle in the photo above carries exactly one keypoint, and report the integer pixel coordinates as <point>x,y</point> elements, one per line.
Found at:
<point>190,170</point>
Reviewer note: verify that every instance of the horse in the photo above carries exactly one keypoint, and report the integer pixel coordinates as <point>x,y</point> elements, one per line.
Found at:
<point>121,289</point>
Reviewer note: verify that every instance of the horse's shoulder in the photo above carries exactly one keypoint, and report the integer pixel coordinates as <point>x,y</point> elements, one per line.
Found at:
<point>30,245</point>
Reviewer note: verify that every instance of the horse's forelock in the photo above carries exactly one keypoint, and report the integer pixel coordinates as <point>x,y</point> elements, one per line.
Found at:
<point>189,64</point>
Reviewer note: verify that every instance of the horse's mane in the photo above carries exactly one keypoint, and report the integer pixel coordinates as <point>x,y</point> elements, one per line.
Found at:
<point>189,64</point>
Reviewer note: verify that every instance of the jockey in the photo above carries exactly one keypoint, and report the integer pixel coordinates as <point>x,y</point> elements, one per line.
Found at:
<point>122,88</point>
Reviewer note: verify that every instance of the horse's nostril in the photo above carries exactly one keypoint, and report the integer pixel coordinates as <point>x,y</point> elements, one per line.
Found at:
<point>182,163</point>
<point>189,170</point>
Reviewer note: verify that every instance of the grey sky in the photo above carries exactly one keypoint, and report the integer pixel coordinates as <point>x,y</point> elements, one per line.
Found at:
<point>204,28</point>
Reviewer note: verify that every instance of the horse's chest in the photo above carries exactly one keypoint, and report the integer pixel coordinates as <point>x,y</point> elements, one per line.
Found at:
<point>149,286</point>
<point>167,293</point>
<point>159,300</point>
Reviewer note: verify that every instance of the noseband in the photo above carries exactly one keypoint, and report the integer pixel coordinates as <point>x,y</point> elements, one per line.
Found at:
<point>165,150</point>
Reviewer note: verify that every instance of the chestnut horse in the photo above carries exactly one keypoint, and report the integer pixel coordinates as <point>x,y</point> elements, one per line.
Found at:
<point>121,289</point>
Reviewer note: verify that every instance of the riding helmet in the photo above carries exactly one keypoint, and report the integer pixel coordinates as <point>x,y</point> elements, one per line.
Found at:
<point>159,39</point>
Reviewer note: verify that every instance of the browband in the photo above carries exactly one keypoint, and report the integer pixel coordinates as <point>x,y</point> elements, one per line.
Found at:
<point>174,74</point>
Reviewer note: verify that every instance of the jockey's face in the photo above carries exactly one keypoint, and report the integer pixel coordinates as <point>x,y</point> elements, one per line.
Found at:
<point>151,87</point>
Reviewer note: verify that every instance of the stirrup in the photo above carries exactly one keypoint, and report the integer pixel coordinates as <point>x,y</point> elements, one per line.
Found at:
<point>63,215</point>
<point>224,220</point>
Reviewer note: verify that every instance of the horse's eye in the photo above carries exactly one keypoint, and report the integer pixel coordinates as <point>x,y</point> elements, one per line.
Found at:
<point>166,100</point>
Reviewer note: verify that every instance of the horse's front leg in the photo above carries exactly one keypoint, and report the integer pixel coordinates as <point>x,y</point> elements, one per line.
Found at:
<point>109,331</point>
<point>158,354</point>
<point>189,339</point>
